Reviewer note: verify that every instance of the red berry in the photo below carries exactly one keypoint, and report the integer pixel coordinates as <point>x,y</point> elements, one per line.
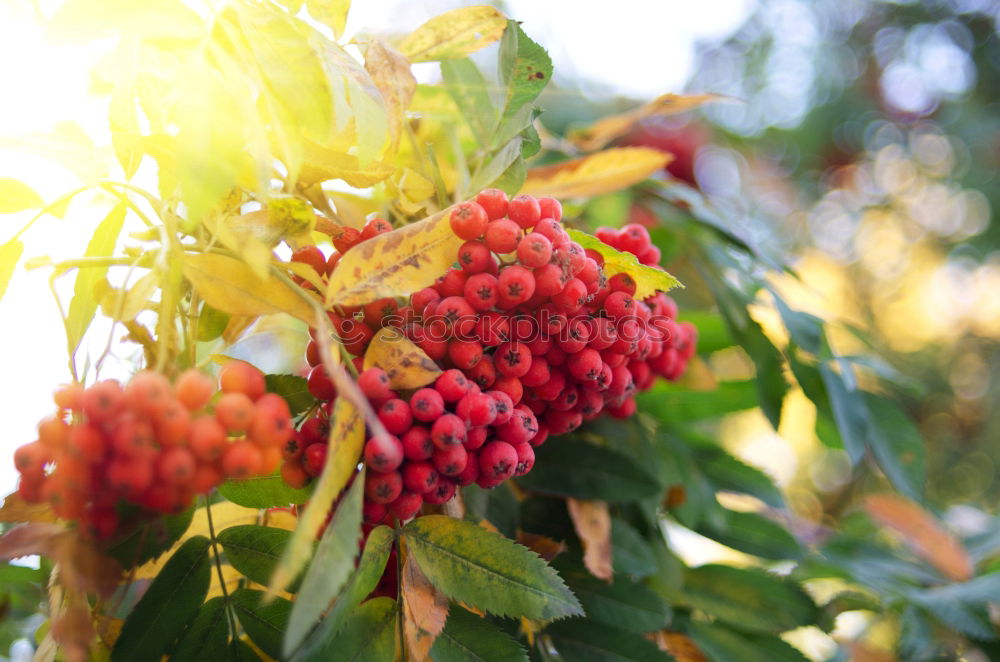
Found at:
<point>537,374</point>
<point>427,405</point>
<point>449,430</point>
<point>468,220</point>
<point>176,466</point>
<point>374,383</point>
<point>272,421</point>
<point>373,513</point>
<point>383,487</point>
<point>525,458</point>
<point>522,426</point>
<point>512,359</point>
<point>471,472</point>
<point>502,235</point>
<point>70,397</point>
<point>384,453</point>
<point>474,257</point>
<point>633,238</point>
<point>534,250</point>
<point>493,328</point>
<point>320,384</point>
<point>475,437</point>
<point>396,416</point>
<point>148,393</point>
<point>314,458</point>
<point>31,458</point>
<point>517,285</point>
<point>450,461</point>
<point>452,284</point>
<point>294,475</point>
<point>417,444</point>
<point>477,409</point>
<point>452,385</point>
<point>444,491</point>
<point>482,291</point>
<point>241,377</point>
<point>375,227</point>
<point>406,506</point>
<point>241,459</point>
<point>235,412</point>
<point>511,386</point>
<point>524,210</point>
<point>504,406</point>
<point>53,433</point>
<point>572,297</point>
<point>464,354</point>
<point>553,231</point>
<point>619,305</point>
<point>194,389</point>
<point>130,478</point>
<point>103,401</point>
<point>347,238</point>
<point>585,365</point>
<point>497,461</point>
<point>419,477</point>
<point>494,203</point>
<point>484,373</point>
<point>207,438</point>
<point>550,208</point>
<point>549,280</point>
<point>312,256</point>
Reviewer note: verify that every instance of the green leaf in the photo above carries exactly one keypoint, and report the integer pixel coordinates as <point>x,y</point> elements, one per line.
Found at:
<point>169,604</point>
<point>264,623</point>
<point>497,165</point>
<point>84,303</point>
<point>293,389</point>
<point>10,253</point>
<point>17,196</point>
<point>570,467</point>
<point>770,377</point>
<point>263,492</point>
<point>364,580</point>
<point>368,635</point>
<point>963,606</point>
<point>721,644</point>
<point>672,404</point>
<point>485,570</point>
<point>896,445</point>
<point>151,539</point>
<point>584,640</point>
<point>648,280</point>
<point>255,550</point>
<point>498,506</point>
<point>753,534</point>
<point>622,604</point>
<point>469,638</point>
<point>849,411</point>
<point>467,88</point>
<point>330,568</point>
<point>211,323</point>
<point>240,651</point>
<point>730,474</point>
<point>632,555</point>
<point>207,636</point>
<point>712,332</point>
<point>525,70</point>
<point>805,330</point>
<point>750,600</point>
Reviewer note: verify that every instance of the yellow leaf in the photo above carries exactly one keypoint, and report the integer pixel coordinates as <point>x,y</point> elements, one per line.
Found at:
<point>347,436</point>
<point>407,366</point>
<point>454,34</point>
<point>922,533</point>
<point>305,272</point>
<point>599,173</point>
<point>395,264</point>
<point>125,305</point>
<point>229,285</point>
<point>332,13</point>
<point>17,196</point>
<point>410,189</point>
<point>391,74</point>
<point>606,129</point>
<point>321,164</point>
<point>593,525</point>
<point>16,509</point>
<point>648,280</point>
<point>425,611</point>
<point>290,216</point>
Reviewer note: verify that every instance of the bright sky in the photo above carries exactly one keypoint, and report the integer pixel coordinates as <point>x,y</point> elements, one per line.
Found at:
<point>640,48</point>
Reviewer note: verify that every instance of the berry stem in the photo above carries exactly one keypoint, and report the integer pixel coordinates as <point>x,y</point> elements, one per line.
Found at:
<point>218,563</point>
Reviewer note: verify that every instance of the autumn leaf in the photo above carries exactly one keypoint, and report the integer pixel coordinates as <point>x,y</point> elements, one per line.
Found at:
<point>391,74</point>
<point>606,129</point>
<point>347,436</point>
<point>425,611</point>
<point>321,164</point>
<point>922,533</point>
<point>395,264</point>
<point>16,509</point>
<point>332,13</point>
<point>82,567</point>
<point>454,34</point>
<point>679,645</point>
<point>17,196</point>
<point>125,305</point>
<point>599,173</point>
<point>593,526</point>
<point>648,280</point>
<point>229,285</point>
<point>544,546</point>
<point>407,366</point>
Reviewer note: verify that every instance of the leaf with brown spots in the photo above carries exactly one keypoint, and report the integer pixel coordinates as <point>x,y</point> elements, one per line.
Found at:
<point>596,174</point>
<point>593,524</point>
<point>16,509</point>
<point>425,611</point>
<point>407,366</point>
<point>606,129</point>
<point>922,533</point>
<point>453,34</point>
<point>395,264</point>
<point>229,285</point>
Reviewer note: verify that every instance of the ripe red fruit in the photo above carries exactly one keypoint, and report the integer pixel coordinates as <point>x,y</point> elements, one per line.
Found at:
<point>396,416</point>
<point>241,459</point>
<point>53,433</point>
<point>493,328</point>
<point>452,385</point>
<point>235,412</point>
<point>553,230</point>
<point>524,210</point>
<point>194,389</point>
<point>207,438</point>
<point>419,477</point>
<point>373,513</point>
<point>294,474</point>
<point>417,444</point>
<point>534,250</point>
<point>449,430</point>
<point>383,487</point>
<point>176,466</point>
<point>468,220</point>
<point>129,478</point>
<point>550,208</point>
<point>494,203</point>
<point>375,227</point>
<point>585,365</point>
<point>484,373</point>
<point>347,238</point>
<point>572,297</point>
<point>525,458</point>
<point>384,453</point>
<point>406,506</point>
<point>522,426</point>
<point>444,491</point>
<point>374,383</point>
<point>619,305</point>
<point>517,285</point>
<point>477,409</point>
<point>502,235</point>
<point>427,405</point>
<point>512,359</point>
<point>475,438</point>
<point>511,386</point>
<point>241,377</point>
<point>497,461</point>
<point>272,421</point>
<point>482,291</point>
<point>312,256</point>
<point>314,457</point>
<point>69,397</point>
<point>320,384</point>
<point>450,461</point>
<point>148,392</point>
<point>465,354</point>
<point>474,257</point>
<point>103,401</point>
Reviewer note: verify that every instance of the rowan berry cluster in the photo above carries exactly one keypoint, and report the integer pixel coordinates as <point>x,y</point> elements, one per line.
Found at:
<point>533,338</point>
<point>151,443</point>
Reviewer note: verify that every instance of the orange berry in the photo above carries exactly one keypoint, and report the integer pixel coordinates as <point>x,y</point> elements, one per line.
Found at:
<point>70,397</point>
<point>242,459</point>
<point>194,389</point>
<point>270,459</point>
<point>130,477</point>
<point>206,477</point>
<point>235,411</point>
<point>31,457</point>
<point>272,422</point>
<point>87,443</point>
<point>293,474</point>
<point>53,433</point>
<point>173,424</point>
<point>133,437</point>
<point>149,393</point>
<point>103,401</point>
<point>176,466</point>
<point>241,377</point>
<point>208,438</point>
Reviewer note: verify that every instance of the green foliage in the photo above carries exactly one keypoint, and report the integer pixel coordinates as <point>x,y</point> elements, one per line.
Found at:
<point>632,554</point>
<point>623,604</point>
<point>583,640</point>
<point>264,621</point>
<point>208,635</point>
<point>151,539</point>
<point>263,492</point>
<point>469,638</point>
<point>724,645</point>
<point>170,603</point>
<point>485,570</point>
<point>293,389</point>
<point>497,506</point>
<point>368,635</point>
<point>255,550</point>
<point>571,467</point>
